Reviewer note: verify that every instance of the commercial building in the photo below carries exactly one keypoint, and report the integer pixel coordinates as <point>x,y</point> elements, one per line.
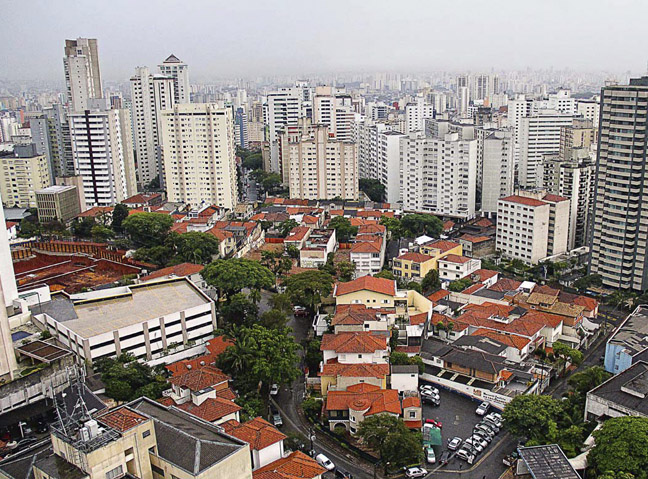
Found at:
<point>439,174</point>
<point>199,155</point>
<point>82,75</point>
<point>532,226</point>
<point>538,135</point>
<point>178,70</point>
<point>619,248</point>
<point>100,146</point>
<point>579,135</point>
<point>629,342</point>
<point>22,172</point>
<point>150,94</point>
<point>58,203</point>
<point>321,167</point>
<point>145,320</point>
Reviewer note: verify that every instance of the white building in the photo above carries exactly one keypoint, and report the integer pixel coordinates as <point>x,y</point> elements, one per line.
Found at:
<point>199,155</point>
<point>179,71</point>
<point>368,146</point>
<point>539,135</point>
<point>101,155</point>
<point>21,174</point>
<point>532,226</point>
<point>389,166</point>
<point>8,293</point>
<point>590,109</point>
<point>454,267</point>
<point>416,113</point>
<point>150,93</point>
<point>496,167</point>
<point>82,75</point>
<point>333,107</point>
<point>143,320</point>
<point>439,174</point>
<point>321,167</point>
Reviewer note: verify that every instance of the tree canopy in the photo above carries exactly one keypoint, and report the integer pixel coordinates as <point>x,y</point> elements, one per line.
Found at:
<point>127,379</point>
<point>389,436</point>
<point>431,281</point>
<point>148,229</point>
<point>308,288</point>
<point>374,189</point>
<point>194,247</point>
<point>417,224</point>
<point>119,214</point>
<point>621,446</point>
<point>385,274</point>
<point>286,226</point>
<point>230,276</point>
<point>343,229</point>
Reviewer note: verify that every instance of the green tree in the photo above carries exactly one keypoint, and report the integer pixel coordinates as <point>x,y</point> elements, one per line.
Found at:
<point>158,255</point>
<point>82,228</point>
<point>230,276</point>
<point>621,446</point>
<point>251,404</point>
<point>286,226</point>
<point>274,319</point>
<point>29,227</point>
<point>308,288</point>
<point>126,379</point>
<point>431,281</point>
<point>385,274</point>
<point>194,247</point>
<point>312,408</point>
<point>616,475</point>
<point>459,285</point>
<point>148,229</point>
<point>343,229</point>
<point>292,251</point>
<point>414,286</point>
<point>531,415</point>
<point>264,356</point>
<point>101,234</point>
<point>253,161</point>
<point>588,379</point>
<point>239,310</point>
<point>281,302</point>
<point>565,353</point>
<point>393,226</point>
<point>312,354</point>
<point>390,437</point>
<point>346,270</point>
<point>119,214</point>
<point>421,224</point>
<point>374,189</point>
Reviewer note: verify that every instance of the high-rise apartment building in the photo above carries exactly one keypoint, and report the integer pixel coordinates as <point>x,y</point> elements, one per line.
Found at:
<point>333,107</point>
<point>389,167</point>
<point>322,167</point>
<point>618,244</point>
<point>22,172</point>
<point>368,147</point>
<point>8,293</point>
<point>439,174</point>
<point>82,75</point>
<point>179,71</point>
<point>241,128</point>
<point>199,155</point>
<point>577,136</point>
<point>100,139</point>
<point>416,113</point>
<point>284,109</point>
<point>150,93</point>
<point>538,135</point>
<point>590,110</point>
<point>496,168</point>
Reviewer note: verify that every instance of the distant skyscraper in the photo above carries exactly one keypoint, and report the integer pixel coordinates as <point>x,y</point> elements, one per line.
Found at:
<point>82,76</point>
<point>179,71</point>
<point>618,244</point>
<point>496,169</point>
<point>416,113</point>
<point>199,155</point>
<point>150,95</point>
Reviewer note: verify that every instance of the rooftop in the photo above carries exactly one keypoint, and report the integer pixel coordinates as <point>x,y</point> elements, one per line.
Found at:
<point>364,397</point>
<point>370,283</point>
<point>179,270</point>
<point>547,462</point>
<point>360,342</point>
<point>415,257</point>
<point>628,389</point>
<point>55,189</point>
<point>118,308</point>
<point>633,332</point>
<point>122,419</point>
<point>297,465</point>
<point>523,200</point>
<point>455,258</point>
<point>199,379</point>
<point>257,432</point>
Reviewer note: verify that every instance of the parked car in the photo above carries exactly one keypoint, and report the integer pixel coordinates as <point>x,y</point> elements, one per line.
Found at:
<point>466,454</point>
<point>435,423</point>
<point>433,400</point>
<point>491,424</point>
<point>325,462</point>
<point>445,457</point>
<point>494,418</point>
<point>484,431</point>
<point>274,390</point>
<point>276,417</point>
<point>481,440</point>
<point>415,472</point>
<point>300,311</point>
<point>483,408</point>
<point>427,388</point>
<point>343,474</point>
<point>485,436</point>
<point>474,444</point>
<point>454,443</point>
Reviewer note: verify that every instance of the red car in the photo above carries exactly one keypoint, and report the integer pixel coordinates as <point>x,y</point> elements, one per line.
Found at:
<point>435,423</point>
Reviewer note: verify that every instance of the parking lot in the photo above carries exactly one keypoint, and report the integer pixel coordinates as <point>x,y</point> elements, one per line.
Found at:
<point>457,414</point>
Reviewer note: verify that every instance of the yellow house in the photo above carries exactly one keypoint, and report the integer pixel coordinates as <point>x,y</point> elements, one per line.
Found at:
<point>415,266</point>
<point>338,377</point>
<point>367,290</point>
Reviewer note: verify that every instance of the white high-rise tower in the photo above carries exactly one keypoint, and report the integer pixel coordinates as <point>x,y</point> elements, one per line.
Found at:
<point>8,293</point>
<point>179,71</point>
<point>82,76</point>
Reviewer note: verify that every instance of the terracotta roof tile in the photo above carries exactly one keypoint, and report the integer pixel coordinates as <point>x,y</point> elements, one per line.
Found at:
<point>377,285</point>
<point>408,349</point>
<point>416,319</point>
<point>202,378</point>
<point>358,370</point>
<point>509,340</point>
<point>439,295</point>
<point>211,409</point>
<point>295,466</point>
<point>122,419</point>
<point>523,200</point>
<point>361,397</point>
<point>443,245</point>
<point>474,239</point>
<point>473,288</point>
<point>257,432</point>
<point>484,223</point>
<point>455,258</point>
<point>353,342</point>
<point>367,246</point>
<point>505,284</point>
<point>554,198</point>
<point>180,270</point>
<point>411,401</point>
<point>448,225</point>
<point>371,229</point>
<point>353,314</point>
<point>298,233</point>
<point>484,274</point>
<point>415,257</point>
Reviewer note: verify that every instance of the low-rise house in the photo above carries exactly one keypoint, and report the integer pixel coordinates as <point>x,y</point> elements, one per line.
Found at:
<point>183,270</point>
<point>477,246</point>
<point>624,394</point>
<point>412,412</point>
<point>439,249</point>
<point>297,237</point>
<point>296,465</point>
<point>336,376</point>
<point>404,378</point>
<point>358,317</point>
<point>265,440</point>
<point>368,254</point>
<point>318,246</point>
<point>226,241</point>
<point>454,267</point>
<point>141,200</point>
<point>12,229</point>
<point>413,266</point>
<point>367,290</point>
<point>355,348</point>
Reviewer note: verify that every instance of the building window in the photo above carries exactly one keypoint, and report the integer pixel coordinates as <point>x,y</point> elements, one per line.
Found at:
<point>113,473</point>
<point>412,414</point>
<point>157,470</point>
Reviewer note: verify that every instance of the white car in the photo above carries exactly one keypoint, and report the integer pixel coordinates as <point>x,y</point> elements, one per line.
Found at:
<point>493,417</point>
<point>325,462</point>
<point>427,389</point>
<point>274,390</point>
<point>474,444</point>
<point>480,440</point>
<point>454,443</point>
<point>483,408</point>
<point>415,472</point>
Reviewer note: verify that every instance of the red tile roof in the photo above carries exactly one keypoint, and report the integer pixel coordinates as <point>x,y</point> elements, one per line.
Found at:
<point>202,378</point>
<point>474,239</point>
<point>211,409</point>
<point>295,466</point>
<point>554,198</point>
<point>408,349</point>
<point>10,224</point>
<point>523,200</point>
<point>367,246</point>
<point>298,233</point>
<point>439,295</point>
<point>362,221</point>
<point>484,274</point>
<point>180,270</point>
<point>310,220</point>
<point>455,258</point>
<point>411,401</point>
<point>473,288</point>
<point>416,319</point>
<point>353,314</point>
<point>484,223</point>
<point>96,210</point>
<point>180,228</point>
<point>369,283</point>
<point>141,198</point>
<point>371,229</point>
<point>415,425</point>
<point>359,370</point>
<point>122,419</point>
<point>361,397</point>
<point>509,340</point>
<point>505,284</point>
<point>443,245</point>
<point>448,225</point>
<point>257,432</point>
<point>415,257</point>
<point>353,342</point>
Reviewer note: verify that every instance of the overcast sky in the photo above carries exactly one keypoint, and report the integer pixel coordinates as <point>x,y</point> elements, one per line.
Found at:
<point>264,37</point>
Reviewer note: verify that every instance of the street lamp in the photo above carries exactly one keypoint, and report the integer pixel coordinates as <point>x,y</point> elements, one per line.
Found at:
<point>20,425</point>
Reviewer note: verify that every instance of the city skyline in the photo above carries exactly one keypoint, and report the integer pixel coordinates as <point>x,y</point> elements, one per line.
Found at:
<point>254,39</point>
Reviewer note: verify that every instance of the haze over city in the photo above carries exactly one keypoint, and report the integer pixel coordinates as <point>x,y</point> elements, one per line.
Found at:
<point>260,38</point>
